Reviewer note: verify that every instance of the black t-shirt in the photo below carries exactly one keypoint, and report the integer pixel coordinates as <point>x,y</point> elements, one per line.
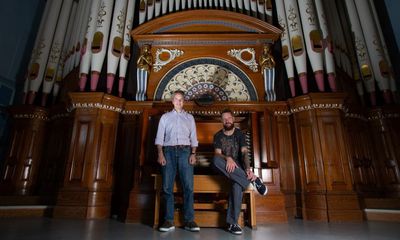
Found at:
<point>230,145</point>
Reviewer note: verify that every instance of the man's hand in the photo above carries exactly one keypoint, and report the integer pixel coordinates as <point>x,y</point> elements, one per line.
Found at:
<point>230,165</point>
<point>192,159</point>
<point>161,160</point>
<point>250,175</point>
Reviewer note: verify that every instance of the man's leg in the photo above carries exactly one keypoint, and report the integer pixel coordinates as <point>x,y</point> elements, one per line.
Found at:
<point>234,204</point>
<point>185,171</point>
<point>168,178</point>
<point>238,175</point>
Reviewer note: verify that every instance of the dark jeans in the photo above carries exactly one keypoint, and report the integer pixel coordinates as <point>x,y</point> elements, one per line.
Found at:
<point>178,160</point>
<point>239,182</point>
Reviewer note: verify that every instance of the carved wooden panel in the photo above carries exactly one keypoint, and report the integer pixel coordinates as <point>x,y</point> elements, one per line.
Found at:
<point>21,167</point>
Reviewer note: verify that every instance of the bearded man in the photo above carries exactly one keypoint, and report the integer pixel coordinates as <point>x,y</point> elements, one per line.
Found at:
<point>231,160</point>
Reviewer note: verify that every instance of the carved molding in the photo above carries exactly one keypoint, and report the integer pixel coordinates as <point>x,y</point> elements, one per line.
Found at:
<point>40,116</point>
<point>131,112</point>
<point>94,105</point>
<point>172,54</point>
<point>238,54</point>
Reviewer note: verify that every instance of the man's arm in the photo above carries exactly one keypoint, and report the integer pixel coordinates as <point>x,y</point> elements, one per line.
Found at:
<point>160,142</point>
<point>246,161</point>
<point>161,159</point>
<point>230,163</point>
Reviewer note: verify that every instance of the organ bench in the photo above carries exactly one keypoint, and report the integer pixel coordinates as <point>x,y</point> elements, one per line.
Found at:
<point>207,214</point>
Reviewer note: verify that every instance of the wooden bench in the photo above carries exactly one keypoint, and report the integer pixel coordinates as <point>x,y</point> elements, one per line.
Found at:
<point>206,184</point>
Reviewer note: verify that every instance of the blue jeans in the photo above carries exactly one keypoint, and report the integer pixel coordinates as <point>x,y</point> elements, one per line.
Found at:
<point>239,183</point>
<point>177,160</point>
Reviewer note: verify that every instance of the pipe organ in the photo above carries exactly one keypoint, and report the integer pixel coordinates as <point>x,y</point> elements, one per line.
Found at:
<point>293,71</point>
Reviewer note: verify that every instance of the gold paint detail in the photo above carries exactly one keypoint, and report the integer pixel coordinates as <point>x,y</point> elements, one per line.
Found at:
<point>366,72</point>
<point>97,42</point>
<point>297,45</point>
<point>34,72</point>
<point>117,46</point>
<point>49,74</point>
<point>316,41</point>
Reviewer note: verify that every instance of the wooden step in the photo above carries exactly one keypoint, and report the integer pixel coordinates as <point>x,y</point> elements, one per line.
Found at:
<point>388,215</point>
<point>206,218</point>
<point>26,211</point>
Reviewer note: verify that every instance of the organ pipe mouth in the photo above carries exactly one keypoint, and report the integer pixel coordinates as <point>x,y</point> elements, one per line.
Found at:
<point>97,42</point>
<point>316,41</point>
<point>366,72</point>
<point>117,46</point>
<point>297,44</point>
<point>34,72</point>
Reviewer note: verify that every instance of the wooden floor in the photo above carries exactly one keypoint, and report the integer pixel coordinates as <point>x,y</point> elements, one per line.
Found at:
<point>50,228</point>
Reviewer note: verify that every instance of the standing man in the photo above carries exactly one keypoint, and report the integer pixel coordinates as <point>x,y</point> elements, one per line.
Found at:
<point>231,159</point>
<point>176,142</point>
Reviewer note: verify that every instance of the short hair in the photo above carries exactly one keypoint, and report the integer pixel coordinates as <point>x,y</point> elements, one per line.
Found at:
<point>227,110</point>
<point>178,92</point>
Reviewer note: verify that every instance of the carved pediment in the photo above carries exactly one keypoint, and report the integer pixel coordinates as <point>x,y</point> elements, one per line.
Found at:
<point>205,25</point>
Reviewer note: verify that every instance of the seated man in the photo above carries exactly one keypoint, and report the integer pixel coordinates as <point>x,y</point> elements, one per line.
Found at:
<point>231,160</point>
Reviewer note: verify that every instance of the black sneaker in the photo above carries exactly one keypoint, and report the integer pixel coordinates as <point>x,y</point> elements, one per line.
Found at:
<point>192,226</point>
<point>235,229</point>
<point>167,226</point>
<point>261,188</point>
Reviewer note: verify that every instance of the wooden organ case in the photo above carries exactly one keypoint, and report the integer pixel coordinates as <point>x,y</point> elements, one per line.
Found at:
<point>211,56</point>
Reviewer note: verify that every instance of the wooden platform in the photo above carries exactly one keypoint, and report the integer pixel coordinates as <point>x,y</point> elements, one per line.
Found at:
<point>208,214</point>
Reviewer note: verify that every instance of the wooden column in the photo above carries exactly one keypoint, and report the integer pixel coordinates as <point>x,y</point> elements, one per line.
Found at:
<point>385,129</point>
<point>55,154</point>
<point>327,191</point>
<point>270,208</point>
<point>22,164</point>
<point>361,154</point>
<point>288,163</point>
<point>141,196</point>
<point>87,187</point>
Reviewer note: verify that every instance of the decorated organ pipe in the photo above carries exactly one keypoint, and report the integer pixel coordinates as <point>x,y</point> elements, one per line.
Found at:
<point>313,40</point>
<point>82,32</point>
<point>327,45</point>
<point>142,11</point>
<point>36,49</point>
<point>126,53</point>
<point>233,4</point>
<point>100,39</point>
<point>346,38</point>
<point>64,52</point>
<point>374,46</point>
<point>37,68</point>
<point>150,9</point>
<point>363,58</point>
<point>392,80</point>
<point>261,9</point>
<point>115,42</point>
<point>240,5</point>
<point>286,45</point>
<point>164,6</point>
<point>268,11</point>
<point>296,39</point>
<point>157,8</point>
<point>253,7</point>
<point>87,46</point>
<point>55,50</point>
<point>73,43</point>
<point>90,35</point>
<point>171,5</point>
<point>338,41</point>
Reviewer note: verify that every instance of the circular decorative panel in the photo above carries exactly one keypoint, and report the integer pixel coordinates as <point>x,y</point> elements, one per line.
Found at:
<point>207,77</point>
